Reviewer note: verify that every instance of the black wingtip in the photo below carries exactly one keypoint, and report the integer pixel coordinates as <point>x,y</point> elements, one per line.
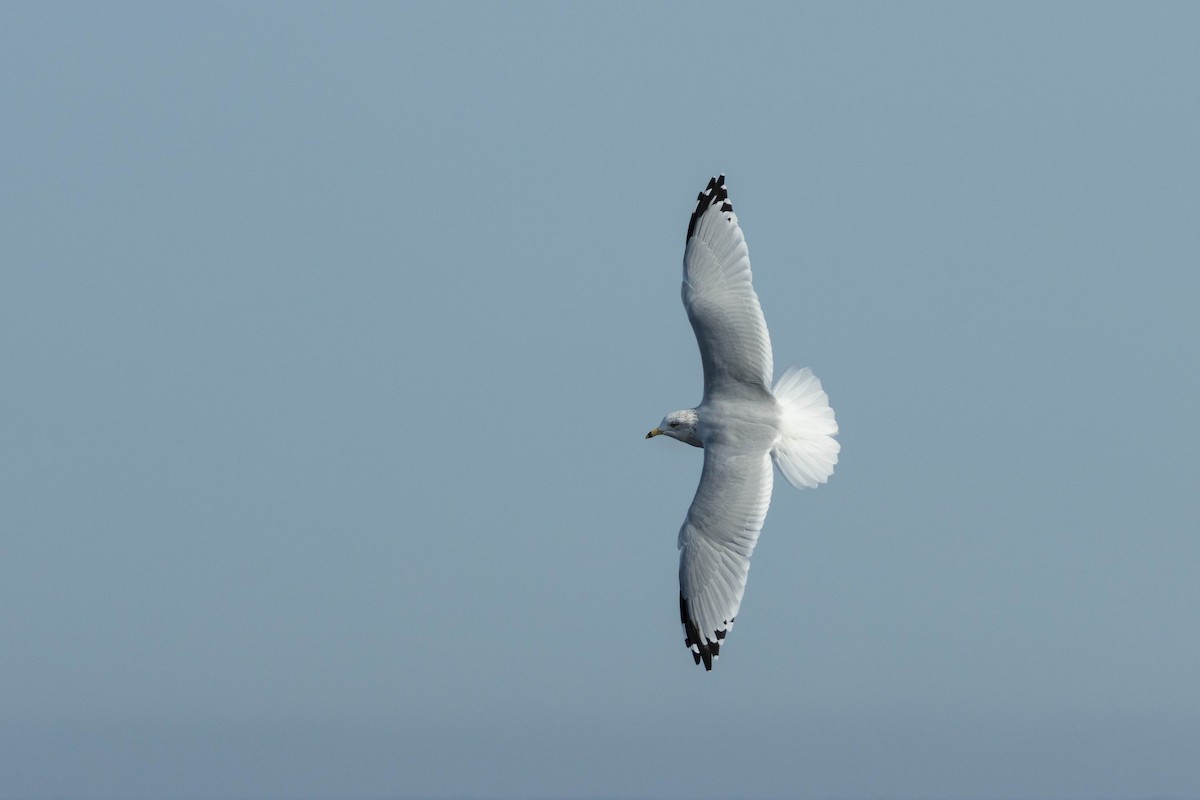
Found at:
<point>702,649</point>
<point>714,193</point>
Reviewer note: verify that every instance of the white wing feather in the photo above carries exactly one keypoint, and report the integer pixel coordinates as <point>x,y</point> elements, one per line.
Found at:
<point>735,347</point>
<point>716,542</point>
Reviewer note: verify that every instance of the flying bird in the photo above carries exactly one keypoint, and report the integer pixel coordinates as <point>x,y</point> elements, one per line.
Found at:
<point>742,423</point>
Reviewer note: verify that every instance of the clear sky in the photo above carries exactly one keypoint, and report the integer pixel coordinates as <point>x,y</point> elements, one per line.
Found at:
<point>329,336</point>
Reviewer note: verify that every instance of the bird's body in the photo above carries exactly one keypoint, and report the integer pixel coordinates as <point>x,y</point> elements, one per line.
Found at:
<point>750,421</point>
<point>742,423</point>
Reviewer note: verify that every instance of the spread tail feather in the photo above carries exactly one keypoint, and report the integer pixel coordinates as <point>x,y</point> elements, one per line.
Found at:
<point>806,450</point>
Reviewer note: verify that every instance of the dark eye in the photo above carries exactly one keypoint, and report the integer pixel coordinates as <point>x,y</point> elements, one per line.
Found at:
<point>674,424</point>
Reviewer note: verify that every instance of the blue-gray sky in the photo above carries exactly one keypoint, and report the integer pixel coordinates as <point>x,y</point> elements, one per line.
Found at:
<point>329,335</point>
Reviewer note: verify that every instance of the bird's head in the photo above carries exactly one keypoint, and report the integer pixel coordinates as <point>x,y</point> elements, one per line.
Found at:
<point>679,425</point>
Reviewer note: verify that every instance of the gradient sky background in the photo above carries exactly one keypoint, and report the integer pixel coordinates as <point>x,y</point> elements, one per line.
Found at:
<point>330,335</point>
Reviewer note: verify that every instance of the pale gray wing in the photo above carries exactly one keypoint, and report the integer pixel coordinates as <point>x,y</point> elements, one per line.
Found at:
<point>716,542</point>
<point>719,296</point>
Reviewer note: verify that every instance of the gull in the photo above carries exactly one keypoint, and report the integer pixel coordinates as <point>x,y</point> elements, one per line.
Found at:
<point>742,423</point>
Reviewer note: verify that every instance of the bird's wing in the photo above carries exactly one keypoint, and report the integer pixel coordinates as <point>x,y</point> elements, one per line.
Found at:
<point>716,542</point>
<point>719,297</point>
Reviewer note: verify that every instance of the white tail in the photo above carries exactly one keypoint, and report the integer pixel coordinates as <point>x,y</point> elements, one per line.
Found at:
<point>806,450</point>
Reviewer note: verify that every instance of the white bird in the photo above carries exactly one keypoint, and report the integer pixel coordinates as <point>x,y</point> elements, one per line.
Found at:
<point>742,424</point>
